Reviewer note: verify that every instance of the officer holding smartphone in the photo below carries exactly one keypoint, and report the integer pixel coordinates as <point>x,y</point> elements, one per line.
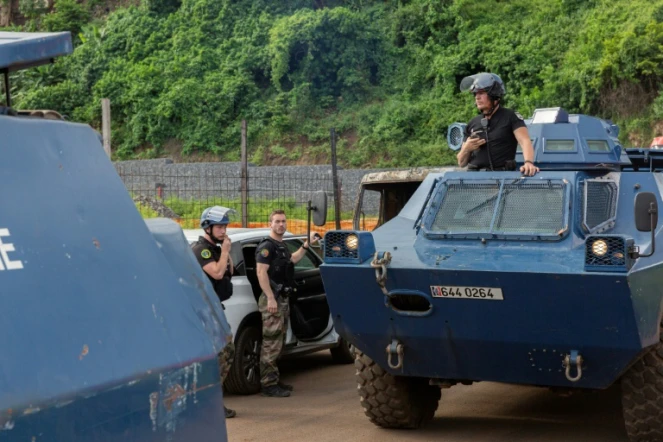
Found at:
<point>492,137</point>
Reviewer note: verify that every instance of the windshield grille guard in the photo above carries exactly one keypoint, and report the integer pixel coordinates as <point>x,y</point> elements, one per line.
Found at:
<point>515,209</point>
<point>599,205</point>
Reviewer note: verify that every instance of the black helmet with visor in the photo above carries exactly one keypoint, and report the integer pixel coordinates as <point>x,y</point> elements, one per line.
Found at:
<point>492,84</point>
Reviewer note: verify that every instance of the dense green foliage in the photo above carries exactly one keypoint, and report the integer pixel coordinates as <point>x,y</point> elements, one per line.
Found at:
<point>384,73</point>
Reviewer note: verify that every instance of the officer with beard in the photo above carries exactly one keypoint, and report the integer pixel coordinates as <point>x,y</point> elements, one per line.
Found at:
<point>276,269</point>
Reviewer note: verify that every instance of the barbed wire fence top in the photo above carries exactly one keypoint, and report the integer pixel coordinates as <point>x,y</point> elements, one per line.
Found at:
<point>181,191</point>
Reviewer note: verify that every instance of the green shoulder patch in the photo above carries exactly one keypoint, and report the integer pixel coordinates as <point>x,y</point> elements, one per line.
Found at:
<point>206,254</point>
<point>264,253</point>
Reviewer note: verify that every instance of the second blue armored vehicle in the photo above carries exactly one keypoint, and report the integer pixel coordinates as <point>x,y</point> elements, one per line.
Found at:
<point>552,280</point>
<point>109,328</point>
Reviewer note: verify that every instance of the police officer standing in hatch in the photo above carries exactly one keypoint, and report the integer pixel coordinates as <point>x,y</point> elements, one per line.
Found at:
<point>491,139</point>
<point>276,269</point>
<point>213,253</point>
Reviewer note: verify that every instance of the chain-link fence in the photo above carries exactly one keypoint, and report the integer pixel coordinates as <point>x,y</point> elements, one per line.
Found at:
<point>182,191</point>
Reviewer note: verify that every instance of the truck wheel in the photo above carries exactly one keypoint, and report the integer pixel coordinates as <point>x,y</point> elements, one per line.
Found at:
<point>344,353</point>
<point>244,375</point>
<point>394,401</point>
<point>642,397</point>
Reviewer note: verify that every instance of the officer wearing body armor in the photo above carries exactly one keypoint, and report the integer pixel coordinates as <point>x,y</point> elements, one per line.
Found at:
<point>491,138</point>
<point>213,253</point>
<point>275,269</point>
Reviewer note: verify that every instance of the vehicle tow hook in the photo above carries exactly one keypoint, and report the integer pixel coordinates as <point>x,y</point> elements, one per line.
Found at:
<point>395,348</point>
<point>573,359</point>
<point>380,262</point>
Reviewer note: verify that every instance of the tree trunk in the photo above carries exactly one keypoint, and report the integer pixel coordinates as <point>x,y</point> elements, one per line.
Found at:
<point>6,13</point>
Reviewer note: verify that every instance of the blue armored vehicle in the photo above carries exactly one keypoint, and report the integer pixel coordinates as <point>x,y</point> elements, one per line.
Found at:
<point>552,280</point>
<point>109,330</point>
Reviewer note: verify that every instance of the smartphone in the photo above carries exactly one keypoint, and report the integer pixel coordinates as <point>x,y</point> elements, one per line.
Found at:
<point>478,134</point>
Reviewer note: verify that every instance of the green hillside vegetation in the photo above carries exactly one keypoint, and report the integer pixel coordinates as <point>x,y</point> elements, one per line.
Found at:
<point>385,73</point>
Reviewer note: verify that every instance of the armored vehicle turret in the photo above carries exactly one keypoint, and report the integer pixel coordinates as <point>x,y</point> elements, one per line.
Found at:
<point>553,280</point>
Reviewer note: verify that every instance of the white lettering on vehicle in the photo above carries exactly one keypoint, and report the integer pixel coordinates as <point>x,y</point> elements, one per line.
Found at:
<point>461,292</point>
<point>5,262</point>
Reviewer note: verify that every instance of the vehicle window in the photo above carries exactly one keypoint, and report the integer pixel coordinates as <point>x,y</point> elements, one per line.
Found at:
<point>519,148</point>
<point>307,262</point>
<point>560,146</point>
<point>598,146</point>
<point>238,260</point>
<point>317,247</point>
<point>369,209</point>
<point>489,207</point>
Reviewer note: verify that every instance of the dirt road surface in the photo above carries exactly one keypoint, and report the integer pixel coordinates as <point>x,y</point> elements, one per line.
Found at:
<point>325,407</point>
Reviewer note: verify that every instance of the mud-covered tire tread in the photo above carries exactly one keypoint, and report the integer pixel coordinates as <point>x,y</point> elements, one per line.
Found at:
<point>642,397</point>
<point>391,401</point>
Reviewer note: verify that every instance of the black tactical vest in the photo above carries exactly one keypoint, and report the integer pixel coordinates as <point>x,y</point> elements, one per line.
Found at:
<point>281,269</point>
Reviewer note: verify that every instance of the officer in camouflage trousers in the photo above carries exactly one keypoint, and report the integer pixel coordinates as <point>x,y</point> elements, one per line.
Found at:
<point>213,253</point>
<point>275,268</point>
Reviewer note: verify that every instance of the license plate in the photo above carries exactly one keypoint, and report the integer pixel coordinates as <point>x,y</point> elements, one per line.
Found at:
<point>459,292</point>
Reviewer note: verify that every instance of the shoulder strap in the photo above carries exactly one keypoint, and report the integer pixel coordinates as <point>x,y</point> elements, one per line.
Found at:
<point>274,242</point>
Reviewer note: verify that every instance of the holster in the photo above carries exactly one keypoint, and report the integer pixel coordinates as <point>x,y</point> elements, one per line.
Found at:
<point>278,290</point>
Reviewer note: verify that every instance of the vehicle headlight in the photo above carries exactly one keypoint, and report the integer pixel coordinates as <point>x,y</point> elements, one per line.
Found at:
<point>352,242</point>
<point>348,247</point>
<point>599,247</point>
<point>608,253</point>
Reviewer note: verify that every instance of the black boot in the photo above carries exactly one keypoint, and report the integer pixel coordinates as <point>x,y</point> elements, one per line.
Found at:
<point>229,413</point>
<point>285,386</point>
<point>275,391</point>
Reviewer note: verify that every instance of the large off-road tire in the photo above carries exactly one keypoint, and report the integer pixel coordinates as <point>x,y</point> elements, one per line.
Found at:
<point>394,401</point>
<point>244,375</point>
<point>344,353</point>
<point>642,397</point>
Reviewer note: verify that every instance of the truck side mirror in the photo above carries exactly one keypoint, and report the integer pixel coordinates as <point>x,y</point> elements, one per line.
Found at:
<point>646,212</point>
<point>646,219</point>
<point>319,208</point>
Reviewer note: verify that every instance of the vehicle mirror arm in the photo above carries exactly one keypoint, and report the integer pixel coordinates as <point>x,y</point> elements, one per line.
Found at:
<point>308,222</point>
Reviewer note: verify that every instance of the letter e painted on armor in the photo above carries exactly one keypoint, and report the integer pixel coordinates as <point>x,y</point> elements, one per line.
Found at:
<point>5,262</point>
